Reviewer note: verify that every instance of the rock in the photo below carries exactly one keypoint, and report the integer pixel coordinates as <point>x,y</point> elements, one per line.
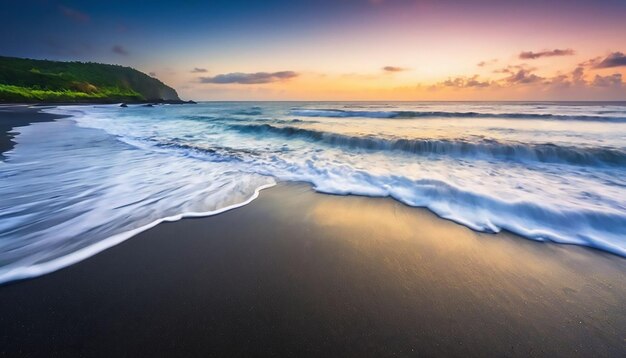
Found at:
<point>123,105</point>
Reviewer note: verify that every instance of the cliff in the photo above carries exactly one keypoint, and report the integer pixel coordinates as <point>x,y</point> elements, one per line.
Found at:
<point>26,80</point>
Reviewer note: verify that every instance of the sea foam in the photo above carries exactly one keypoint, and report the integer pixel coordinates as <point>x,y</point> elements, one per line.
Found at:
<point>107,173</point>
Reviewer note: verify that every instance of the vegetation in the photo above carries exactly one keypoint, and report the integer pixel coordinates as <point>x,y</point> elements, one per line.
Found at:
<point>25,80</point>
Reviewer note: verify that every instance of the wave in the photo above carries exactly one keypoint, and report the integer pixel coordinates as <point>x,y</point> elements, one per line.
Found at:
<point>228,119</point>
<point>484,149</point>
<point>598,227</point>
<point>339,113</point>
<point>8,274</point>
<point>253,111</point>
<point>482,212</point>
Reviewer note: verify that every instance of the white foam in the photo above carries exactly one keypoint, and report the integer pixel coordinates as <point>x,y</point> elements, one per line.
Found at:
<point>110,172</point>
<point>23,272</point>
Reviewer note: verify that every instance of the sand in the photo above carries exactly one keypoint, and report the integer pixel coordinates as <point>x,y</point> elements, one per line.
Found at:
<point>301,273</point>
<point>306,274</point>
<point>13,116</point>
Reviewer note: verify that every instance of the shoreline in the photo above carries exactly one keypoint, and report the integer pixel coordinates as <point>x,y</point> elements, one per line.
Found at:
<point>34,271</point>
<point>28,114</point>
<point>91,102</point>
<point>13,116</point>
<point>297,272</point>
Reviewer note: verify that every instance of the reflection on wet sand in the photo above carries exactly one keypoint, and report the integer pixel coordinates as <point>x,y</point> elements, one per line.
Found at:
<point>299,273</point>
<point>502,281</point>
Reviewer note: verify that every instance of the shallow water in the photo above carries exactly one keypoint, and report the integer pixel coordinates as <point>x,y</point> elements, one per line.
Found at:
<point>547,171</point>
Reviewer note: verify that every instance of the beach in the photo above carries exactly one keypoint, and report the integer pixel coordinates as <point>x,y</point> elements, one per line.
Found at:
<point>12,116</point>
<point>354,178</point>
<point>300,273</point>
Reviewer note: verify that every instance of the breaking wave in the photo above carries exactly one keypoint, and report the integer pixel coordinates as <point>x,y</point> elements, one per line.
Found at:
<point>485,149</point>
<point>338,113</point>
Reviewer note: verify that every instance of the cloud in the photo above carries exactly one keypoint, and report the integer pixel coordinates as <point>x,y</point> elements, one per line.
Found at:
<point>250,78</point>
<point>488,62</point>
<point>394,69</point>
<point>465,82</point>
<point>529,55</point>
<point>199,70</point>
<point>507,69</point>
<point>573,78</point>
<point>514,68</point>
<point>510,68</point>
<point>523,76</point>
<point>616,59</point>
<point>518,74</point>
<point>561,81</point>
<point>578,75</point>
<point>591,62</point>
<point>608,81</point>
<point>74,14</point>
<point>120,50</point>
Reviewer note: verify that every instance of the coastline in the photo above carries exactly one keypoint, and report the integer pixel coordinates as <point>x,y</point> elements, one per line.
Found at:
<point>92,102</point>
<point>12,116</point>
<point>301,273</point>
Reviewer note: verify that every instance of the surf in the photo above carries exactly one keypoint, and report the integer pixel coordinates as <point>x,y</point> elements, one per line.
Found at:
<point>339,113</point>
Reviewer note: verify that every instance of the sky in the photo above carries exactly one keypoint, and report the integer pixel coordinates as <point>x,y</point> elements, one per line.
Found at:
<point>339,49</point>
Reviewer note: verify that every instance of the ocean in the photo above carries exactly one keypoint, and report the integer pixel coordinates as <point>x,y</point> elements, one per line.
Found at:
<point>546,171</point>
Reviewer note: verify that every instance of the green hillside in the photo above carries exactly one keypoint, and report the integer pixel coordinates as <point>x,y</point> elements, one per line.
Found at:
<point>26,80</point>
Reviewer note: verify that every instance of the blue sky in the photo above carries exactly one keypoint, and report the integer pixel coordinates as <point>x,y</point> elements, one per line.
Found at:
<point>336,49</point>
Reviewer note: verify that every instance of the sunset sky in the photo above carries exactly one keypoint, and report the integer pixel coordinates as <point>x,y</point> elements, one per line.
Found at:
<point>341,49</point>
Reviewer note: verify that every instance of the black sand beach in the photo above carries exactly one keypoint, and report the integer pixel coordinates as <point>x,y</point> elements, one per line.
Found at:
<point>12,116</point>
<point>298,273</point>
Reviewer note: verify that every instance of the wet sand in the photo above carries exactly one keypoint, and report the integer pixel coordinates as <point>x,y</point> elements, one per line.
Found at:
<point>12,116</point>
<point>304,274</point>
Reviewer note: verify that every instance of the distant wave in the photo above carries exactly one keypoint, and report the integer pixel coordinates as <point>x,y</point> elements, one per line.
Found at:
<point>229,119</point>
<point>545,152</point>
<point>338,113</point>
<point>253,111</point>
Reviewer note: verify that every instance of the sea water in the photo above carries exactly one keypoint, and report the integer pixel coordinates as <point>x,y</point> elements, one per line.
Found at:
<point>546,171</point>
